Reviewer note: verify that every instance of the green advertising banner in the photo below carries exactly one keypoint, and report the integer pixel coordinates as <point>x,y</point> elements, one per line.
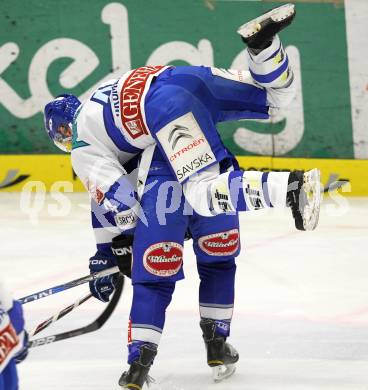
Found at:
<point>48,47</point>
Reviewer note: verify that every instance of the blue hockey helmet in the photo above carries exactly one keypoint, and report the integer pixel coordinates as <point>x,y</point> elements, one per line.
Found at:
<point>58,115</point>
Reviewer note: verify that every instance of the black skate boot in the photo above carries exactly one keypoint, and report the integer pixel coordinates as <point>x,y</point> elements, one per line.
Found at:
<point>304,198</point>
<point>259,32</point>
<point>137,375</point>
<point>221,356</point>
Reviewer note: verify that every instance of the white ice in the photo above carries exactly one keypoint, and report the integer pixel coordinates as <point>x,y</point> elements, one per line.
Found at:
<point>300,321</point>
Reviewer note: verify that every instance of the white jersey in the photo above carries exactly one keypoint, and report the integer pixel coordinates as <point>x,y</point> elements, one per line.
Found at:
<point>109,129</point>
<point>10,342</point>
<point>96,159</point>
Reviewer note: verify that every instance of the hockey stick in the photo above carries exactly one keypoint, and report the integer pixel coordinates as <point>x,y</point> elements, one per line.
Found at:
<point>60,314</point>
<point>68,285</point>
<point>95,325</point>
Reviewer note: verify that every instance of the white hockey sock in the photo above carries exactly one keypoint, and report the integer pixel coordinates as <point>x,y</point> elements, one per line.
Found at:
<point>270,68</point>
<point>277,183</point>
<point>249,191</point>
<point>146,333</point>
<point>216,311</point>
<point>213,194</point>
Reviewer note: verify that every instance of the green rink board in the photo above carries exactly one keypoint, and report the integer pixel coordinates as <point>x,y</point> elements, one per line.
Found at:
<point>29,27</point>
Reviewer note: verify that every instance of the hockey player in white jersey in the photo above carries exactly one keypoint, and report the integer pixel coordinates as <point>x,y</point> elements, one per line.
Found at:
<point>13,339</point>
<point>177,108</point>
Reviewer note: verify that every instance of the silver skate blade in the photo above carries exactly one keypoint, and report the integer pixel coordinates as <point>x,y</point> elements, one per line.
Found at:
<point>277,15</point>
<point>219,373</point>
<point>312,187</point>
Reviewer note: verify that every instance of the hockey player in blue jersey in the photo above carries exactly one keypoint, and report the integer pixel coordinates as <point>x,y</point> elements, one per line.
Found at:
<point>13,340</point>
<point>216,243</point>
<point>177,108</point>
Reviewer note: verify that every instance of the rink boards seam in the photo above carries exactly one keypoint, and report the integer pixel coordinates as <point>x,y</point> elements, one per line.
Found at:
<point>17,172</point>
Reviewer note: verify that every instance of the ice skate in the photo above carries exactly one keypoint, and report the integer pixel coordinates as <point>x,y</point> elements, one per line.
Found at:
<point>259,32</point>
<point>137,375</point>
<point>304,198</point>
<point>221,356</point>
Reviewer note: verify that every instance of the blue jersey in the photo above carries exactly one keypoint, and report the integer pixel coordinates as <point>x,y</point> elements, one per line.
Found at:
<point>173,111</point>
<point>176,108</point>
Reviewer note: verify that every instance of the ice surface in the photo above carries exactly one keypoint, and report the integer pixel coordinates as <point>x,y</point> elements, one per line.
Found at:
<point>300,321</point>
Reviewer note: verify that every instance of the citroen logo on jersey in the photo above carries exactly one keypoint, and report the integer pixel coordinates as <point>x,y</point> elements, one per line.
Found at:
<point>177,133</point>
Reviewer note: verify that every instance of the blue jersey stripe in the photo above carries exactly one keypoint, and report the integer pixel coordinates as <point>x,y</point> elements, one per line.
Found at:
<point>115,134</point>
<point>102,218</point>
<point>268,78</point>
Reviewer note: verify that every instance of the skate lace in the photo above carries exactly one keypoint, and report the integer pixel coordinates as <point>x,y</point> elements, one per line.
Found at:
<point>150,380</point>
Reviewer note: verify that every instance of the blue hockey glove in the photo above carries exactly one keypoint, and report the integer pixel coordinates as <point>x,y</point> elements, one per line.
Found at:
<point>102,288</point>
<point>22,354</point>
